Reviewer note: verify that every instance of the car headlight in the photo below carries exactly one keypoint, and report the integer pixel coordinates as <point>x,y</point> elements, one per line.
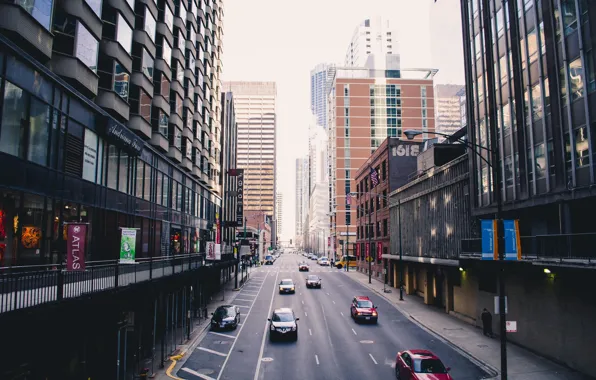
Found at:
<point>294,328</point>
<point>292,288</point>
<point>272,327</point>
<point>280,288</point>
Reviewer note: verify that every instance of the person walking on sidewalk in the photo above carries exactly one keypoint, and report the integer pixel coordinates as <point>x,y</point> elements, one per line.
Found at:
<point>487,323</point>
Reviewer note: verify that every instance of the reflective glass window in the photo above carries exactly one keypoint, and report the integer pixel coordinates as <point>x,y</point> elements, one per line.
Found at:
<point>124,34</point>
<point>576,79</point>
<point>166,52</point>
<point>39,124</point>
<point>95,5</point>
<point>121,81</point>
<point>182,10</point>
<point>532,45</point>
<point>148,64</point>
<point>169,18</point>
<point>41,10</point>
<point>150,24</point>
<point>86,47</point>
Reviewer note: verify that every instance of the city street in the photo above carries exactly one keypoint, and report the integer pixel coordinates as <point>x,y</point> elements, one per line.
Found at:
<point>330,344</point>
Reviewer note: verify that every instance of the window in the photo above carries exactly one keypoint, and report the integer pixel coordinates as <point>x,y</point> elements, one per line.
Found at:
<point>140,103</point>
<point>95,5</point>
<point>181,42</point>
<point>500,26</point>
<point>131,3</point>
<point>169,18</point>
<point>112,167</point>
<point>41,10</point>
<point>123,172</point>
<point>582,152</point>
<point>147,64</point>
<point>124,34</point>
<point>166,51</point>
<point>121,81</point>
<point>86,47</point>
<point>162,123</point>
<point>182,10</point>
<point>177,138</point>
<point>537,102</point>
<point>540,160</point>
<point>532,46</point>
<point>576,79</point>
<point>150,24</point>
<point>569,16</point>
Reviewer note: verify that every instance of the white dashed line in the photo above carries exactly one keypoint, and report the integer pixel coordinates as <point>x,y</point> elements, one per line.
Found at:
<point>243,306</point>
<point>306,315</point>
<point>317,359</point>
<point>373,359</point>
<point>310,331</point>
<point>354,331</point>
<point>333,302</point>
<point>242,299</point>
<point>342,314</point>
<point>303,302</point>
<point>220,334</point>
<point>212,351</point>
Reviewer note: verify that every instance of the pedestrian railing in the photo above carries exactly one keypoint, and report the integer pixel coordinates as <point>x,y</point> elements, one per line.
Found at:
<point>562,248</point>
<point>27,286</point>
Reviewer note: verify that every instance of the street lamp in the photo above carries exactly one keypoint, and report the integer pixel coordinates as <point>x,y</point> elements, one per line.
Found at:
<point>496,174</point>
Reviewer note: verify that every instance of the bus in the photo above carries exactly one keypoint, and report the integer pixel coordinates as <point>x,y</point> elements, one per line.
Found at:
<point>350,259</point>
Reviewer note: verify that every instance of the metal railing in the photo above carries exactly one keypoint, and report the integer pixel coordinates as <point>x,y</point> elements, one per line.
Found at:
<point>27,286</point>
<point>559,247</point>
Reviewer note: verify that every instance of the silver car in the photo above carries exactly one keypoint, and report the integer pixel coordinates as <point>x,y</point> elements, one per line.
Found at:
<point>287,286</point>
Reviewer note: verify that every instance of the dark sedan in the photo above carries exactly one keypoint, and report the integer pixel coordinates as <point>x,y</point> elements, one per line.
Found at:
<point>225,317</point>
<point>313,281</point>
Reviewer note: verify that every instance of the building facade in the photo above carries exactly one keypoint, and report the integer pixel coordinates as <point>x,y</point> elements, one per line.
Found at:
<point>448,108</point>
<point>279,214</point>
<point>372,36</point>
<point>229,184</point>
<point>301,199</point>
<point>113,110</point>
<point>255,115</point>
<point>318,200</point>
<point>365,107</point>
<point>319,84</point>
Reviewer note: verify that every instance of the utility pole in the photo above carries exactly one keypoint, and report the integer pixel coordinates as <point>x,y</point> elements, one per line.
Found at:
<point>401,262</point>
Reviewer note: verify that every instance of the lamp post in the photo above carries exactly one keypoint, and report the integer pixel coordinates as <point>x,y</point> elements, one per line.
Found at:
<point>496,174</point>
<point>401,262</point>
<point>368,228</point>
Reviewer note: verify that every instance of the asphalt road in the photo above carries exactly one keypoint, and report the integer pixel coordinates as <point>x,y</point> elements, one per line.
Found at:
<point>330,345</point>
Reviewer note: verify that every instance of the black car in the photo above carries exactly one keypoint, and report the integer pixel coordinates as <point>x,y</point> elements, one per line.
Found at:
<point>225,317</point>
<point>283,324</point>
<point>313,281</point>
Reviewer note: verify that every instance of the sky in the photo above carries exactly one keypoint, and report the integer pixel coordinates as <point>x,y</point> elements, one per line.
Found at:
<point>282,40</point>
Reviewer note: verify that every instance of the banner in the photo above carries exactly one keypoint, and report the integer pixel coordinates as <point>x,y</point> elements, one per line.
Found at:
<point>358,251</point>
<point>217,229</point>
<point>329,241</point>
<point>76,239</point>
<point>128,244</point>
<point>379,251</point>
<point>239,197</point>
<point>213,251</point>
<point>367,250</point>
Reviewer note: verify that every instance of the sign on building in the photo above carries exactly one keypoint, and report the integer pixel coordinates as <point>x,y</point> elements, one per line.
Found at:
<point>403,161</point>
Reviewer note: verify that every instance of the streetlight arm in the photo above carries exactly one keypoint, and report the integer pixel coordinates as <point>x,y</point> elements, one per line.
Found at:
<point>410,135</point>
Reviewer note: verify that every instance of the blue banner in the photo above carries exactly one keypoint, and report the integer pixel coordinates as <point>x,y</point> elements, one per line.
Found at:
<point>489,239</point>
<point>512,239</point>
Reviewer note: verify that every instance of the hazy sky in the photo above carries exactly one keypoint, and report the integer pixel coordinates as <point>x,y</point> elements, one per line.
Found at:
<point>282,40</point>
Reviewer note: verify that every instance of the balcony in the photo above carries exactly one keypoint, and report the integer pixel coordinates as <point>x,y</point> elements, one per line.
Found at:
<point>29,286</point>
<point>569,249</point>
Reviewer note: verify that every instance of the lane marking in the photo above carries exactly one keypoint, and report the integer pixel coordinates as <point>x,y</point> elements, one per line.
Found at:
<point>303,302</point>
<point>306,315</point>
<point>354,331</point>
<point>197,374</point>
<point>212,351</point>
<point>300,293</point>
<point>256,377</point>
<point>342,313</point>
<point>242,299</point>
<point>243,306</point>
<point>317,359</point>
<point>309,331</point>
<point>333,302</point>
<point>223,366</point>
<point>220,334</point>
<point>327,293</point>
<point>373,358</point>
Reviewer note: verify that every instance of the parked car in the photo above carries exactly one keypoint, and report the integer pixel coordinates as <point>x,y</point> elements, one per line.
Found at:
<point>420,365</point>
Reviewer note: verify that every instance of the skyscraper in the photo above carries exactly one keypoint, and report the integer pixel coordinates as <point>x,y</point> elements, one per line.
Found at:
<point>372,36</point>
<point>301,198</point>
<point>319,83</point>
<point>255,114</point>
<point>279,213</point>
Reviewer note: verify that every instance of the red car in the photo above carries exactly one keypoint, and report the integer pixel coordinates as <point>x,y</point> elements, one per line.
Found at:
<point>420,365</point>
<point>362,309</point>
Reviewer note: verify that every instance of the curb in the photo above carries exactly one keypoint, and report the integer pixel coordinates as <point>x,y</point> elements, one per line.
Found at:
<point>490,371</point>
<point>194,342</point>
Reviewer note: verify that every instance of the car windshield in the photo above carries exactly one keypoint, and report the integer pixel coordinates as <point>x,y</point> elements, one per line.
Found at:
<point>224,312</point>
<point>365,304</point>
<point>282,317</point>
<point>303,264</point>
<point>429,366</point>
<point>314,278</point>
<point>286,282</point>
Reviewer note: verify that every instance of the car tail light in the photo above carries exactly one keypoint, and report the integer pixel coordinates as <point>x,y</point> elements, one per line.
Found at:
<point>356,313</point>
<point>374,312</point>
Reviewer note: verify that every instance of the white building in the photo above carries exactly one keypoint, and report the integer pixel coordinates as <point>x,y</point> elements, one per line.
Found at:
<point>301,199</point>
<point>319,85</point>
<point>372,36</point>
<point>279,201</point>
<point>448,108</point>
<point>318,212</point>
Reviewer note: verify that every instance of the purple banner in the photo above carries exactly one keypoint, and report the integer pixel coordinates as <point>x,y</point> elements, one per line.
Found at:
<point>75,247</point>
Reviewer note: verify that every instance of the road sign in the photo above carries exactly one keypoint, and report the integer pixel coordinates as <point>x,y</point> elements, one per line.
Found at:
<point>511,326</point>
<point>497,309</point>
<point>369,259</point>
<point>489,239</point>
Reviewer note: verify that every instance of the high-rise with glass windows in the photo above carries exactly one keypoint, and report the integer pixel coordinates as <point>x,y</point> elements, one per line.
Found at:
<point>367,105</point>
<point>537,58</point>
<point>372,36</point>
<point>115,106</point>
<point>255,115</point>
<point>301,199</point>
<point>319,84</point>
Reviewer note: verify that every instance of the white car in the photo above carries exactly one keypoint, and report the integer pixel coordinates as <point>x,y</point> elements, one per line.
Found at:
<point>322,259</point>
<point>324,262</point>
<point>287,286</point>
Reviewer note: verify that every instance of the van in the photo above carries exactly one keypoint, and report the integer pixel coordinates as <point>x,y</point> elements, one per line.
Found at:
<point>269,260</point>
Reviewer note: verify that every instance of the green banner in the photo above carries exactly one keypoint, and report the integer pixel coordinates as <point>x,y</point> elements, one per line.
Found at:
<point>128,243</point>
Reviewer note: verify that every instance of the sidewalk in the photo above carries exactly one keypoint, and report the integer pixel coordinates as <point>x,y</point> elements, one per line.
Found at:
<point>201,326</point>
<point>469,340</point>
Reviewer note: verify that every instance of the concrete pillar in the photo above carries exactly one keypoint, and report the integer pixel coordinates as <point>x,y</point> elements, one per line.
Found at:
<point>448,287</point>
<point>429,289</point>
<point>409,279</point>
<point>395,274</point>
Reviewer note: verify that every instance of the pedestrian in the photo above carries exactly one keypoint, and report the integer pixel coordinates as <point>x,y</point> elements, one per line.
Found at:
<point>487,323</point>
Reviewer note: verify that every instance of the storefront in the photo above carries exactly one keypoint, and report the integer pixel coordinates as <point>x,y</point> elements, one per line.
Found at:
<point>65,160</point>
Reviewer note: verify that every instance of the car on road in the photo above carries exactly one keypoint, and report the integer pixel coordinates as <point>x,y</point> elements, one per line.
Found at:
<point>225,317</point>
<point>313,281</point>
<point>324,262</point>
<point>420,365</point>
<point>269,260</point>
<point>287,286</point>
<point>303,267</point>
<point>283,324</point>
<point>362,309</point>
